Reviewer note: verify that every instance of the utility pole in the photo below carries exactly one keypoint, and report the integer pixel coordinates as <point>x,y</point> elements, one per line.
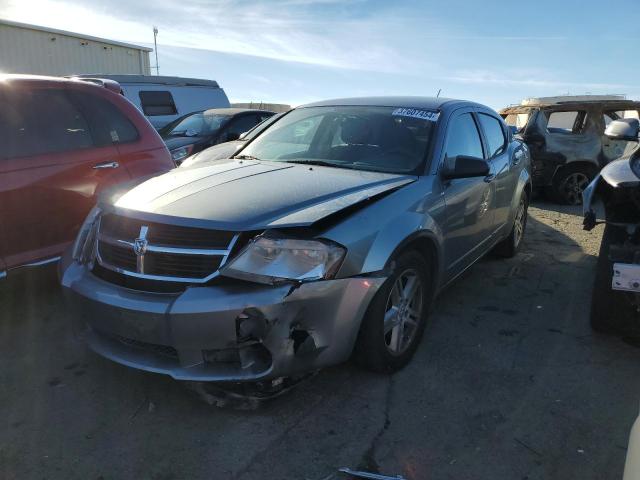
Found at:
<point>155,48</point>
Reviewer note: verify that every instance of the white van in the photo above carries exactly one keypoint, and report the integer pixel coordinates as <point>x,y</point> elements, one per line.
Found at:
<point>163,99</point>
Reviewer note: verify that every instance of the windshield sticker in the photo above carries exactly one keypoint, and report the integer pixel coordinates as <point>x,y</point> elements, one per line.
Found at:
<point>415,113</point>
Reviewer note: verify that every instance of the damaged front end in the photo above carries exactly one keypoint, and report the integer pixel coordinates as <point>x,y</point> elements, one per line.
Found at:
<point>274,309</point>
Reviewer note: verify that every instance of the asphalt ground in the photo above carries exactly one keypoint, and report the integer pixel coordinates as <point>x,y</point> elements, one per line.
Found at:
<point>509,382</point>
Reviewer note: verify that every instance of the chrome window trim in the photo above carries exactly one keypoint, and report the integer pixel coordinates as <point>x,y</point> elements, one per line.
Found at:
<point>174,250</point>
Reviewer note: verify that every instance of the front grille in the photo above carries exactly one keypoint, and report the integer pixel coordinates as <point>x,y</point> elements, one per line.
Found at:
<point>162,234</point>
<point>162,252</point>
<point>122,257</point>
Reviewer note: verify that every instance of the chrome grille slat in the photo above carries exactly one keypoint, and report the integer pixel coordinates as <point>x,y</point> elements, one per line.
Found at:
<point>131,247</point>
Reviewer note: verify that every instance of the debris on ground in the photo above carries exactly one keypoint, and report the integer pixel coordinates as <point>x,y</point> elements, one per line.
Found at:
<point>369,475</point>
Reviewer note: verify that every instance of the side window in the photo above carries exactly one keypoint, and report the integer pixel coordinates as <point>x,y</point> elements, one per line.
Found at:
<point>566,122</point>
<point>36,122</point>
<point>494,133</point>
<point>107,123</point>
<point>241,124</point>
<point>155,103</point>
<point>463,139</point>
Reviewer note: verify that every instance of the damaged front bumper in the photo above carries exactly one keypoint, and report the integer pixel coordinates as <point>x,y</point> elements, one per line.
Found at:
<point>234,331</point>
<point>588,197</point>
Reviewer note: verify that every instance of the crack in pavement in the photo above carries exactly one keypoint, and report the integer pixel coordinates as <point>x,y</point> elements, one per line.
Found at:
<point>368,461</point>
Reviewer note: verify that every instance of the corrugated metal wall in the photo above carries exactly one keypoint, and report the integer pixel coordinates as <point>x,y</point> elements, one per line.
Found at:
<point>25,50</point>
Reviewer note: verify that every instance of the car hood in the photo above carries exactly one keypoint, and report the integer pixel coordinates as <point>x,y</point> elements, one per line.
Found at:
<point>217,152</point>
<point>176,142</point>
<point>250,195</point>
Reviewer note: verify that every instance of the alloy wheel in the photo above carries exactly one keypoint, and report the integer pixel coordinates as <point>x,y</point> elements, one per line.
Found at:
<point>403,312</point>
<point>573,186</point>
<point>520,222</point>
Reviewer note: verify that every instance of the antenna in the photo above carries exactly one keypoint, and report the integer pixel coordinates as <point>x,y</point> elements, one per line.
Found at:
<point>155,48</point>
<point>438,95</point>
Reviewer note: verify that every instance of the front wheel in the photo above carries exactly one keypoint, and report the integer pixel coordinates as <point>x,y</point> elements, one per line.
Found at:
<point>396,318</point>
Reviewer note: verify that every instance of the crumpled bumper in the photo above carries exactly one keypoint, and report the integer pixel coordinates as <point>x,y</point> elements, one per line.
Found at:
<point>228,332</point>
<point>588,197</point>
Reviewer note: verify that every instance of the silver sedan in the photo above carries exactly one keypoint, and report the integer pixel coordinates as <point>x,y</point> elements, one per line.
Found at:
<point>327,236</point>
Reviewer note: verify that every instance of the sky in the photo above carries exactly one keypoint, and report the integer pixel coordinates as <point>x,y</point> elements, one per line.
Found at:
<point>494,52</point>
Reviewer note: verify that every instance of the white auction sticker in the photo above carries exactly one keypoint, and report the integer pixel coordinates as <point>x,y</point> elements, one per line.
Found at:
<point>415,113</point>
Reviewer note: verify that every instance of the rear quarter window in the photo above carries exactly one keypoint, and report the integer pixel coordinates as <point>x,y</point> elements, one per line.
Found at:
<point>157,103</point>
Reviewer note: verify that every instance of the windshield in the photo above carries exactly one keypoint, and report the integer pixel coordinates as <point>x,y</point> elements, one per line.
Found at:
<point>199,124</point>
<point>386,139</point>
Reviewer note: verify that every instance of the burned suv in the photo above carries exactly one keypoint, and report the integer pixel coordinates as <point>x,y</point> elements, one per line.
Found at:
<point>566,138</point>
<point>329,234</point>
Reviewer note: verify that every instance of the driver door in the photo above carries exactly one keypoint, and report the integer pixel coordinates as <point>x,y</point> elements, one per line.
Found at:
<point>469,202</point>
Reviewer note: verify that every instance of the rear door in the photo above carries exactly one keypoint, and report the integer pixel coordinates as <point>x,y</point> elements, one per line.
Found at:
<point>495,136</point>
<point>50,171</point>
<point>469,202</point>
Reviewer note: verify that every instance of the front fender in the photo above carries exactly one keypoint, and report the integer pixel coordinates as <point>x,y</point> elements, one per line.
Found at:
<point>373,235</point>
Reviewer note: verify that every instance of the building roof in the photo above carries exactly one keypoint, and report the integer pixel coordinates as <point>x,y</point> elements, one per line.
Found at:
<point>82,36</point>
<point>155,79</point>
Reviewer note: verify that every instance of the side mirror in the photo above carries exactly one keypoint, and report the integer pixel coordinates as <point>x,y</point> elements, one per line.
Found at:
<point>467,167</point>
<point>625,129</point>
<point>232,136</point>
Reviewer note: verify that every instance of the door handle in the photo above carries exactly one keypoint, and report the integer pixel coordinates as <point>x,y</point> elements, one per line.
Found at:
<point>103,165</point>
<point>489,178</point>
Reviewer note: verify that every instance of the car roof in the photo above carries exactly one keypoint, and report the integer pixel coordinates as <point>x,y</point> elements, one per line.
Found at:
<point>154,79</point>
<point>234,111</point>
<point>429,103</point>
<point>44,80</point>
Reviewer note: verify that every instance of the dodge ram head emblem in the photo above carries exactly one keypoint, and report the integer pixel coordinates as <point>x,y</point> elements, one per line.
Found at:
<point>140,245</point>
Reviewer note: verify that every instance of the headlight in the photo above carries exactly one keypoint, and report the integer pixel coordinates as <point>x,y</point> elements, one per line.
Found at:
<point>272,260</point>
<point>181,153</point>
<point>83,247</point>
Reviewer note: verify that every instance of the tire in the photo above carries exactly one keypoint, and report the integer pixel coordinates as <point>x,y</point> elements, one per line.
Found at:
<point>389,351</point>
<point>569,183</point>
<point>611,310</point>
<point>509,247</point>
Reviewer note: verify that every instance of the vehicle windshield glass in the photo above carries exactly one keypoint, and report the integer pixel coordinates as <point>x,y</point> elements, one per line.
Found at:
<point>385,139</point>
<point>517,120</point>
<point>200,124</point>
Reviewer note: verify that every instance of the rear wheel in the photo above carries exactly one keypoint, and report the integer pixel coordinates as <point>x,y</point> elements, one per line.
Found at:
<point>570,182</point>
<point>396,318</point>
<point>611,310</point>
<point>509,246</point>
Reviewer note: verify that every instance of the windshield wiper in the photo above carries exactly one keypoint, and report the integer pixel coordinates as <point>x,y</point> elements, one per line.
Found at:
<point>245,157</point>
<point>319,163</point>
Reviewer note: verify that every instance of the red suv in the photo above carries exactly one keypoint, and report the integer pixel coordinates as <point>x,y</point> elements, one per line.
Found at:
<point>62,141</point>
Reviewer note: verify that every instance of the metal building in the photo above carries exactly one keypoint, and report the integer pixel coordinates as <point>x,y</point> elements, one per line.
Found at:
<point>47,51</point>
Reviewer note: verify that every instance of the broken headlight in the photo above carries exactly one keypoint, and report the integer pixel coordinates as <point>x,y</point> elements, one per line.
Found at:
<point>83,246</point>
<point>272,260</point>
